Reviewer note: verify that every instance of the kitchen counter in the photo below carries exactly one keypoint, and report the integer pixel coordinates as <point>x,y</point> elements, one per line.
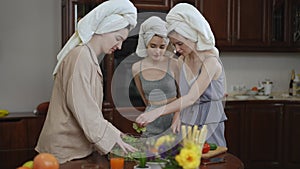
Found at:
<point>273,97</point>
<point>231,162</point>
<point>15,116</point>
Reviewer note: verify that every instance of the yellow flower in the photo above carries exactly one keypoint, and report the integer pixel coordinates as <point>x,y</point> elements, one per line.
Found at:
<point>194,147</point>
<point>188,158</point>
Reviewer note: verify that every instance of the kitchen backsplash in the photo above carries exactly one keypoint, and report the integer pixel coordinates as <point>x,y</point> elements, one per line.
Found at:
<point>245,70</point>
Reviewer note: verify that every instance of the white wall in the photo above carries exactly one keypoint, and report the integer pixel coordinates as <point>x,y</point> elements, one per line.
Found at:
<point>30,38</point>
<point>30,35</point>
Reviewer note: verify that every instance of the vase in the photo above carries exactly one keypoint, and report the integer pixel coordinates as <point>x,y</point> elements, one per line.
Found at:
<point>137,167</point>
<point>156,165</point>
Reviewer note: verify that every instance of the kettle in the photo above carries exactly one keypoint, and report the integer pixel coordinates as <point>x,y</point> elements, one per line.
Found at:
<point>267,85</point>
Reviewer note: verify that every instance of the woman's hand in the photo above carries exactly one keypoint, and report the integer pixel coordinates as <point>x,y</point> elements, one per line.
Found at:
<point>125,147</point>
<point>176,123</point>
<point>148,117</point>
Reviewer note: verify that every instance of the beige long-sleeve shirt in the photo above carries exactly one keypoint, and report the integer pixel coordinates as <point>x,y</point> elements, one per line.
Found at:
<point>74,125</point>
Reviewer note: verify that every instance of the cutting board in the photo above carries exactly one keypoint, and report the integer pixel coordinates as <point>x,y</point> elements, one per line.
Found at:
<point>215,152</point>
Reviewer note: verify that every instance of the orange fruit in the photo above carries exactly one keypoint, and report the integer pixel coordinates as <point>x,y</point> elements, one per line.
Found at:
<point>254,88</point>
<point>45,161</point>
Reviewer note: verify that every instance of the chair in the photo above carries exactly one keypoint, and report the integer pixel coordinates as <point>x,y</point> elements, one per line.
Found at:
<point>42,108</point>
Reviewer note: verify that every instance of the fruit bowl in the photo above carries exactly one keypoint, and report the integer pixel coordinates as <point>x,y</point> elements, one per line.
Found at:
<point>252,92</point>
<point>241,97</point>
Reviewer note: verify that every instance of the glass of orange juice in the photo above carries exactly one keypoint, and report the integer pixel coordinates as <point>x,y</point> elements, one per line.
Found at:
<point>116,163</point>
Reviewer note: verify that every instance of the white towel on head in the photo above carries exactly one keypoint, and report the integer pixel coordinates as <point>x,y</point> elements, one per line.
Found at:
<point>107,17</point>
<point>186,20</point>
<point>150,27</point>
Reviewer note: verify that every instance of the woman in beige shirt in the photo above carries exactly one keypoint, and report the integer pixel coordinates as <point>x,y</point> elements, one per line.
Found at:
<point>74,126</point>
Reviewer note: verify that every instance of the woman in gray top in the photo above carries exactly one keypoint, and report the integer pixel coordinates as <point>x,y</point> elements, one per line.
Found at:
<point>155,75</point>
<point>202,77</point>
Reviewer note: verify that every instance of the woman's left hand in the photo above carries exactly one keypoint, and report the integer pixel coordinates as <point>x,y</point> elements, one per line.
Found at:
<point>124,146</point>
<point>147,117</point>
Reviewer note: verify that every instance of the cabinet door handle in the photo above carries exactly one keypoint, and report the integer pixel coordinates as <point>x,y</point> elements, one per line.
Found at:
<point>281,114</point>
<point>281,109</point>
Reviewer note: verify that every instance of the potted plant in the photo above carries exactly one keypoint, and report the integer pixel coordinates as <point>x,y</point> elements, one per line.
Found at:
<point>142,161</point>
<point>154,160</point>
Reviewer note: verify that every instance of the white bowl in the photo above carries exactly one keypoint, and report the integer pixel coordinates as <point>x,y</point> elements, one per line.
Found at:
<point>156,165</point>
<point>261,97</point>
<point>241,97</point>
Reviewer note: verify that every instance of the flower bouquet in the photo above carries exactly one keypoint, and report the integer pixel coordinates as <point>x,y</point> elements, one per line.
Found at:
<point>176,152</point>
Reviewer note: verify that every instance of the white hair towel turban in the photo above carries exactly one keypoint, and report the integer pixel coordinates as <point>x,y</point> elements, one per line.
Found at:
<point>107,17</point>
<point>186,20</point>
<point>152,26</point>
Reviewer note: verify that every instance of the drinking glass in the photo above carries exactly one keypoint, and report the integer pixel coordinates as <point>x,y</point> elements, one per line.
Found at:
<point>116,163</point>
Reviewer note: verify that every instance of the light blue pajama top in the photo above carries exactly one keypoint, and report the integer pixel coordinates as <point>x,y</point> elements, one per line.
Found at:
<point>208,109</point>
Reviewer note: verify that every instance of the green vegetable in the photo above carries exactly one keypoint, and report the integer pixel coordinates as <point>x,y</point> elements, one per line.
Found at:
<point>213,146</point>
<point>132,140</point>
<point>138,128</point>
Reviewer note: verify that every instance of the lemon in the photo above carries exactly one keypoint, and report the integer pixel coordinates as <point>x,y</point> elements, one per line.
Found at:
<point>3,113</point>
<point>28,164</point>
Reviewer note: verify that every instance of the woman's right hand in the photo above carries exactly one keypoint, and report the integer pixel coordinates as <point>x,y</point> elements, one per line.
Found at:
<point>176,123</point>
<point>148,117</point>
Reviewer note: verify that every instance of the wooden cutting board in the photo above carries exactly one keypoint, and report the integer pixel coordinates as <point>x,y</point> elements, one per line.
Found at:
<point>215,152</point>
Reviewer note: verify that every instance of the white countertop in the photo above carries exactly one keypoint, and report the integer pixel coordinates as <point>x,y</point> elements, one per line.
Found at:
<point>273,96</point>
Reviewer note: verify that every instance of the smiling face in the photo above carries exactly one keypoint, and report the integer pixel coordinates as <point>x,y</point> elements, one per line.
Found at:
<point>182,45</point>
<point>113,40</point>
<point>156,48</point>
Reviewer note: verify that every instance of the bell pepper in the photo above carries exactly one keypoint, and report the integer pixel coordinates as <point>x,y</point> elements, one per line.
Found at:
<point>205,148</point>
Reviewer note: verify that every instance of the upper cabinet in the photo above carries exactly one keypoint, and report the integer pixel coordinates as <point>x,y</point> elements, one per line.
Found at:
<point>219,14</point>
<point>238,25</point>
<point>249,23</point>
<point>195,3</point>
<point>72,11</point>
<point>284,24</point>
<point>295,23</point>
<point>152,5</point>
<point>254,25</point>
